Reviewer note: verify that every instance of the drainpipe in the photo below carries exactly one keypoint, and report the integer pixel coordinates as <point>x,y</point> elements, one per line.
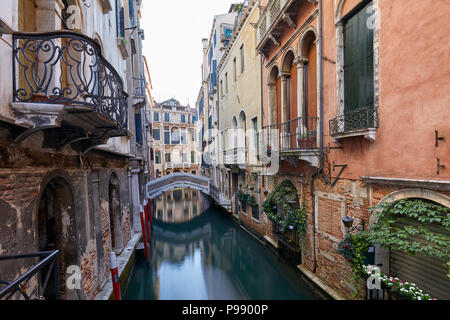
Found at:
<point>321,165</point>
<point>321,84</point>
<point>313,177</point>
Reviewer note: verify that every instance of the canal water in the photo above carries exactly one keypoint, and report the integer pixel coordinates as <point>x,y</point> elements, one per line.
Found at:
<point>199,253</point>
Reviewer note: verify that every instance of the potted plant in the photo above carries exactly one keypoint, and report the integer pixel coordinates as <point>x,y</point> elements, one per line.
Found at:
<point>252,201</point>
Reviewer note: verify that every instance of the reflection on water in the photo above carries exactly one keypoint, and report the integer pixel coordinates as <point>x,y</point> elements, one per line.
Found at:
<point>199,254</point>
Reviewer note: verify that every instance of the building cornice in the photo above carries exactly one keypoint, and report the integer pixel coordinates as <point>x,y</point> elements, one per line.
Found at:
<point>442,185</point>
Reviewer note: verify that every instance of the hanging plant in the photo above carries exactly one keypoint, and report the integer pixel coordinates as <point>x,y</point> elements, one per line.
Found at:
<point>252,201</point>
<point>354,248</point>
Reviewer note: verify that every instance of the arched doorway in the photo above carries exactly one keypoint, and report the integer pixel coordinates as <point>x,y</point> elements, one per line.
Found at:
<point>115,215</point>
<point>56,231</point>
<point>428,272</point>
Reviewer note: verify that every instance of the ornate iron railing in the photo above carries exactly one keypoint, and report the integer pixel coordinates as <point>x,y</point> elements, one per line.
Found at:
<point>295,134</point>
<point>364,118</point>
<point>49,258</point>
<point>66,67</point>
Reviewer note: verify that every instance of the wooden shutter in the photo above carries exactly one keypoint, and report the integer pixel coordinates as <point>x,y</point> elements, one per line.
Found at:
<point>427,272</point>
<point>358,62</point>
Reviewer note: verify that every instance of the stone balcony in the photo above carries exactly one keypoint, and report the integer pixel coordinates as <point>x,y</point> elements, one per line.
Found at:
<point>277,15</point>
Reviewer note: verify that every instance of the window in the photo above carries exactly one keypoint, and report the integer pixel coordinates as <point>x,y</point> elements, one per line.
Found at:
<point>166,117</point>
<point>157,157</point>
<point>234,69</point>
<point>138,127</point>
<point>358,63</point>
<point>183,118</point>
<point>167,156</point>
<point>255,212</point>
<point>226,83</point>
<point>183,137</point>
<point>175,136</point>
<point>194,119</point>
<point>156,116</point>
<point>221,88</point>
<point>184,157</point>
<point>156,134</point>
<point>192,156</point>
<point>166,135</point>
<point>192,132</point>
<point>120,20</point>
<point>242,58</point>
<point>255,132</point>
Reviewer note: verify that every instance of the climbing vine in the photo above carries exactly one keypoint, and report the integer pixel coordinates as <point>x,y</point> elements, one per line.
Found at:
<point>388,234</point>
<point>282,195</point>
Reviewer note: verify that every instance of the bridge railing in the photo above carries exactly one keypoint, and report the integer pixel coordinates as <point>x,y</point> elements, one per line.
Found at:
<point>177,180</point>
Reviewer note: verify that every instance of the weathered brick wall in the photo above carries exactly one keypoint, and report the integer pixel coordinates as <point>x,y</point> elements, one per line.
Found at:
<point>24,173</point>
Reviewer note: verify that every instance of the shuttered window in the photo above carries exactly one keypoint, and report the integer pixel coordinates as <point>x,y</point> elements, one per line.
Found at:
<point>358,62</point>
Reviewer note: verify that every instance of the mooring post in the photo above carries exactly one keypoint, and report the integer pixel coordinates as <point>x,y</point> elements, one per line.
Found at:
<point>146,222</point>
<point>115,275</point>
<point>144,234</point>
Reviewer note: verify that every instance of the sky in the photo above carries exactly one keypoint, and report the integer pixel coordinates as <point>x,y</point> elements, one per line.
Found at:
<point>174,30</point>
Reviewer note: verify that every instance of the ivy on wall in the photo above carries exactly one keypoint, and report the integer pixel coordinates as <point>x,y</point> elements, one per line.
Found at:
<point>281,198</point>
<point>388,234</point>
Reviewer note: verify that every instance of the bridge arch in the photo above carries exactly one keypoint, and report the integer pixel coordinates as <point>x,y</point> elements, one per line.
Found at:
<point>177,180</point>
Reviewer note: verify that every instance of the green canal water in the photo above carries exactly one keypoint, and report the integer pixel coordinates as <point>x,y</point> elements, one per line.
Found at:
<point>199,253</point>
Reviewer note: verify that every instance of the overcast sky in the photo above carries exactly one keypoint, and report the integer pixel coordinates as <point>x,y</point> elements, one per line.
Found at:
<point>174,30</point>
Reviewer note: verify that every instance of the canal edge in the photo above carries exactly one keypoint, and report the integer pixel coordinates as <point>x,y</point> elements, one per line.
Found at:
<point>125,263</point>
<point>332,293</point>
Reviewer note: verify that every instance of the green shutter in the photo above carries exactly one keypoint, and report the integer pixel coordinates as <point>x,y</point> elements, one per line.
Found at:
<point>358,62</point>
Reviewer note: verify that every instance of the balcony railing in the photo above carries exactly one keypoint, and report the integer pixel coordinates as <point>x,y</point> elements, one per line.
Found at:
<point>289,237</point>
<point>365,118</point>
<point>271,16</point>
<point>235,156</point>
<point>138,88</point>
<point>294,135</point>
<point>67,68</point>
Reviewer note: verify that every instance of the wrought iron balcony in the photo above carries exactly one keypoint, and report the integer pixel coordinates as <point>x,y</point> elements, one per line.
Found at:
<point>294,135</point>
<point>359,122</point>
<point>67,69</point>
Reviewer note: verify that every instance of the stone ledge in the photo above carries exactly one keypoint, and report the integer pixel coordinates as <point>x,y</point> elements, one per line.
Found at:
<point>332,293</point>
<point>124,262</point>
<point>271,241</point>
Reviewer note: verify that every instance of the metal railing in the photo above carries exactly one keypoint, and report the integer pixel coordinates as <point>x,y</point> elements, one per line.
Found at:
<point>289,237</point>
<point>49,258</point>
<point>365,118</point>
<point>235,156</point>
<point>66,67</point>
<point>138,88</point>
<point>295,134</point>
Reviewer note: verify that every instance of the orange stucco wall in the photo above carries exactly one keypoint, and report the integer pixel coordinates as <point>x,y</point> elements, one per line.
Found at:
<point>414,86</point>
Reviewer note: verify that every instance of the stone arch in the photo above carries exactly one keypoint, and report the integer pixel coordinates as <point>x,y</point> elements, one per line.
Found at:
<point>56,227</point>
<point>274,85</point>
<point>115,213</point>
<point>338,13</point>
<point>288,86</point>
<point>242,129</point>
<point>413,193</point>
<point>308,54</point>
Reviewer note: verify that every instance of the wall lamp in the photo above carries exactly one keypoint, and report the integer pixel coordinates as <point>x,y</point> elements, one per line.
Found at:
<point>348,223</point>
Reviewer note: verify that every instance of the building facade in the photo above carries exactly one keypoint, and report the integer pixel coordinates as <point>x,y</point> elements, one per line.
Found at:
<point>174,138</point>
<point>72,167</point>
<point>348,122</point>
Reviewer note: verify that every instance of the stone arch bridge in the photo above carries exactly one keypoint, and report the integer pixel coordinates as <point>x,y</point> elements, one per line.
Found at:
<point>186,180</point>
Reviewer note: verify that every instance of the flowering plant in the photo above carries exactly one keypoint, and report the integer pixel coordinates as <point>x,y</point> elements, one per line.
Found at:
<point>398,286</point>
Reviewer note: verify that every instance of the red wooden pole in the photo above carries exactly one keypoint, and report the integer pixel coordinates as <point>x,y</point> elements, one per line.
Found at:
<point>115,275</point>
<point>143,234</point>
<point>146,223</point>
